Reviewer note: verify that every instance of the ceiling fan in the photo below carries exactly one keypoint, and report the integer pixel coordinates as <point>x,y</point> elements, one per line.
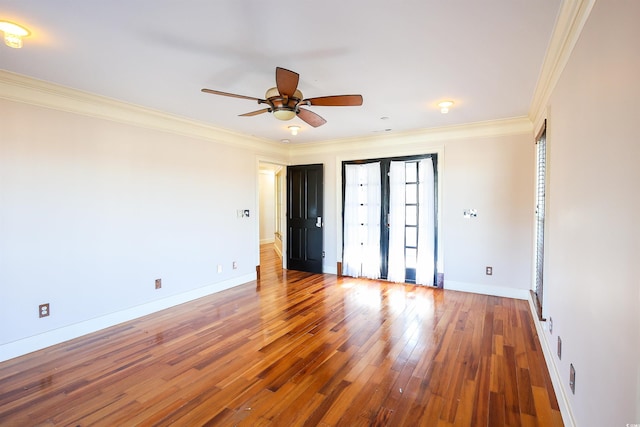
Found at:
<point>285,100</point>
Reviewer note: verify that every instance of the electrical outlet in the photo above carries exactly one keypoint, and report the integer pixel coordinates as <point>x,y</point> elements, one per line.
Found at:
<point>572,379</point>
<point>219,268</point>
<point>470,213</point>
<point>235,265</point>
<point>43,310</point>
<point>158,283</point>
<point>489,270</point>
<point>559,348</point>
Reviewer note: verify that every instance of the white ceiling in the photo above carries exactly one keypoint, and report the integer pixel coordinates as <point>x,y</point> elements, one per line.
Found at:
<point>403,57</point>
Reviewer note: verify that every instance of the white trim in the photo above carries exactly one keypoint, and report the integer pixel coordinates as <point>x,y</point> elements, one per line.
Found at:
<point>266,241</point>
<point>571,19</point>
<point>57,336</point>
<point>414,140</point>
<point>278,251</point>
<point>19,88</point>
<point>554,373</point>
<point>477,288</point>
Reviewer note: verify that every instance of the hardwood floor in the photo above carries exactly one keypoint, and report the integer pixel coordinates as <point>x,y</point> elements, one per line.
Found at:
<point>296,349</point>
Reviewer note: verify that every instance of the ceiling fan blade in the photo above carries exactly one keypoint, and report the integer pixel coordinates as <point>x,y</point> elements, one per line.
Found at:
<point>255,113</point>
<point>286,81</point>
<point>336,100</point>
<point>233,95</point>
<point>311,118</point>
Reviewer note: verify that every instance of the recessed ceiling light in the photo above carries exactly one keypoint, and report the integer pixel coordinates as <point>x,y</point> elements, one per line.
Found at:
<point>13,34</point>
<point>444,106</point>
<point>285,141</point>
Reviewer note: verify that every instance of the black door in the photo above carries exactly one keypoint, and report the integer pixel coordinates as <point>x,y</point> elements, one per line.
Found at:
<point>304,218</point>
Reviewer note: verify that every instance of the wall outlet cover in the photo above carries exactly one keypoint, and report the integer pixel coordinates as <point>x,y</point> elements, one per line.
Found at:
<point>572,379</point>
<point>43,310</point>
<point>559,348</point>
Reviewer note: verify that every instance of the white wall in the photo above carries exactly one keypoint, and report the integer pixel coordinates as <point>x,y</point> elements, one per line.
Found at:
<point>592,291</point>
<point>267,206</point>
<point>493,174</point>
<point>92,211</point>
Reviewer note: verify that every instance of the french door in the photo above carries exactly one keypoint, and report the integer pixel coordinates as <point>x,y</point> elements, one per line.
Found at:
<point>389,227</point>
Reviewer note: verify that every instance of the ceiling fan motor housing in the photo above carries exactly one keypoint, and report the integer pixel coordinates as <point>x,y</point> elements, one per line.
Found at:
<point>284,108</point>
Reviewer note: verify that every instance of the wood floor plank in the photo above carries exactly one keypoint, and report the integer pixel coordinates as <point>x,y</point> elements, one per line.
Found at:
<point>296,349</point>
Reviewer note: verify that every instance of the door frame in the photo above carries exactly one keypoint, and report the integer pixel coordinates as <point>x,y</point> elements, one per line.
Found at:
<point>375,154</point>
<point>283,219</point>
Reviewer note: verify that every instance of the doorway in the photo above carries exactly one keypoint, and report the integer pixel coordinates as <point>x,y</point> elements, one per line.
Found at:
<point>305,202</point>
<point>271,199</point>
<point>390,219</point>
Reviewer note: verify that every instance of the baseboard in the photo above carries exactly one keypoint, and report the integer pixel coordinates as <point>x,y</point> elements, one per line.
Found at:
<point>267,241</point>
<point>476,288</point>
<point>554,373</point>
<point>56,336</point>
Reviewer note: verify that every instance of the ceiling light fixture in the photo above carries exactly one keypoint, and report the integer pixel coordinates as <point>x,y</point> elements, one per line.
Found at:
<point>294,130</point>
<point>444,106</point>
<point>282,113</point>
<point>283,107</point>
<point>13,34</point>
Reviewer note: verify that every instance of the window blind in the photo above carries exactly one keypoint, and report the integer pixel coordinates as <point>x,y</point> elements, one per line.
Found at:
<point>541,173</point>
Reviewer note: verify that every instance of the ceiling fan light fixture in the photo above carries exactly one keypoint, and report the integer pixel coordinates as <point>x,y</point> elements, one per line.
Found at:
<point>444,106</point>
<point>13,34</point>
<point>284,100</point>
<point>284,113</point>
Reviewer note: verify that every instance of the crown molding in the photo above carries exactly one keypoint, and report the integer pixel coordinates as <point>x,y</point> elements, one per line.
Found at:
<point>20,88</point>
<point>422,138</point>
<point>572,16</point>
